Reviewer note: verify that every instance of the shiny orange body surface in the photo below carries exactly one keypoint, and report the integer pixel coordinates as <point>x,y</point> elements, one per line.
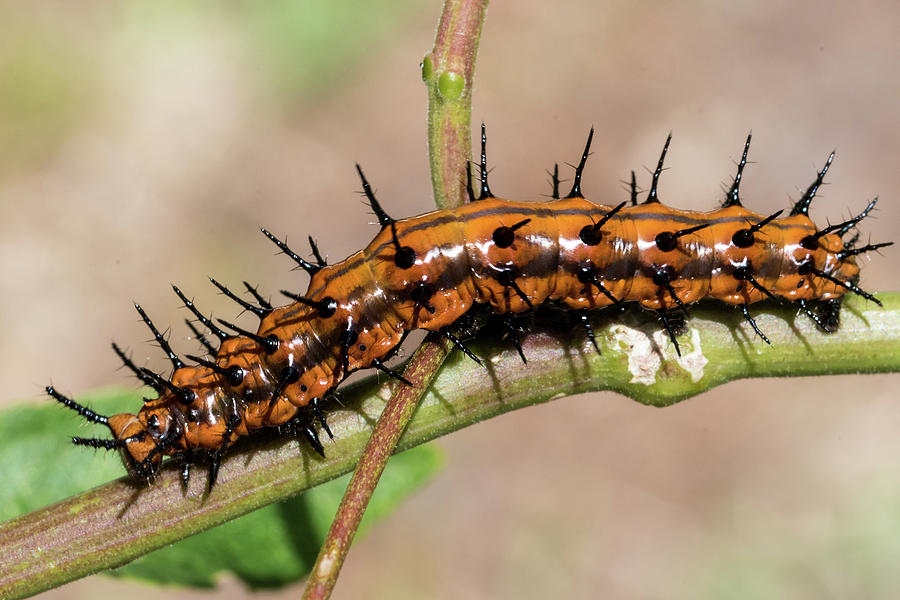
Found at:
<point>426,272</point>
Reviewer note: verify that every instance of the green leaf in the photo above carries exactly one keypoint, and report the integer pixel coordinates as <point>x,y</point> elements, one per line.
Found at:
<point>41,465</point>
<point>267,548</point>
<point>278,544</point>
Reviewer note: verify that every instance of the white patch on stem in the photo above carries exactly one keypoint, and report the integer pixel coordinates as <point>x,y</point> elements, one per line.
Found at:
<point>645,353</point>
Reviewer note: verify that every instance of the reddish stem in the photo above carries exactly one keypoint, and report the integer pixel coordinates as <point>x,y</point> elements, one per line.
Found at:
<point>391,425</point>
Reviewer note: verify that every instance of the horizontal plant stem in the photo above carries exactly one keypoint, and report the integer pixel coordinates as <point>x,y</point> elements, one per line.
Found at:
<point>117,522</point>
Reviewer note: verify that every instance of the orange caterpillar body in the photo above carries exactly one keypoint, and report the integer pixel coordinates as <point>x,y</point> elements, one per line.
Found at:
<point>426,272</point>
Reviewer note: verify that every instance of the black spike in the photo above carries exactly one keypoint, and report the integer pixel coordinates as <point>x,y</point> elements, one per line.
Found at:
<point>848,252</point>
<point>404,256</point>
<point>554,181</point>
<point>222,335</point>
<point>485,189</point>
<point>766,221</point>
<point>200,337</point>
<point>306,266</point>
<point>234,375</point>
<point>462,347</point>
<point>733,197</point>
<point>216,459</point>
<point>176,362</point>
<point>504,237</point>
<point>107,444</point>
<point>667,241</point>
<point>585,321</point>
<point>811,242</point>
<point>347,337</point>
<point>257,310</point>
<point>269,344</point>
<point>99,443</point>
<point>383,219</point>
<point>663,277</point>
<point>258,297</point>
<point>743,274</point>
<point>849,224</point>
<point>667,325</point>
<point>746,312</point>
<point>807,268</point>
<point>634,192</point>
<point>134,369</point>
<point>579,170</point>
<point>82,410</point>
<point>390,372</point>
<point>590,234</point>
<point>326,307</point>
<point>588,274</point>
<point>470,191</point>
<point>316,406</point>
<point>182,394</point>
<point>851,243</point>
<point>801,207</point>
<point>743,238</point>
<point>507,278</point>
<point>315,250</point>
<point>653,195</point>
<point>287,376</point>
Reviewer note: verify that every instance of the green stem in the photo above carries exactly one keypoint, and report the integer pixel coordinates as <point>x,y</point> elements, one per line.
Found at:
<point>448,71</point>
<point>117,522</point>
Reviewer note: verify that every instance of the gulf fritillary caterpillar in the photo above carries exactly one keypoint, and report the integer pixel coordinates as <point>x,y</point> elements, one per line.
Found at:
<point>426,272</point>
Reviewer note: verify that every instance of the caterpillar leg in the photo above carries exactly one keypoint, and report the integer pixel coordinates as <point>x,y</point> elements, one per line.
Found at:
<point>824,314</point>
<point>320,415</point>
<point>806,308</point>
<point>300,425</point>
<point>186,465</point>
<point>512,330</point>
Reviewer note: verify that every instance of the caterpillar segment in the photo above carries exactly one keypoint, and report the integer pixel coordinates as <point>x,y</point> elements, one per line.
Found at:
<point>427,271</point>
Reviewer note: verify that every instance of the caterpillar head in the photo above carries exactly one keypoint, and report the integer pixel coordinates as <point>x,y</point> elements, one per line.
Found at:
<point>142,439</point>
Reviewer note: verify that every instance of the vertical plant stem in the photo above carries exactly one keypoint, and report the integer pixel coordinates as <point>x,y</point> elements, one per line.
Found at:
<point>390,426</point>
<point>448,72</point>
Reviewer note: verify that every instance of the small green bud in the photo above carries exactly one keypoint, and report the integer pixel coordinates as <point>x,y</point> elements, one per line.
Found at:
<point>427,68</point>
<point>450,85</point>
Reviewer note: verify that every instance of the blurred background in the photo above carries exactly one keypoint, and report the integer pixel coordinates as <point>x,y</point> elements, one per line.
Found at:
<point>143,144</point>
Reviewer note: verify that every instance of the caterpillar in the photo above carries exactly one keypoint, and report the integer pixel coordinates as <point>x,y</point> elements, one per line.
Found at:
<point>428,271</point>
